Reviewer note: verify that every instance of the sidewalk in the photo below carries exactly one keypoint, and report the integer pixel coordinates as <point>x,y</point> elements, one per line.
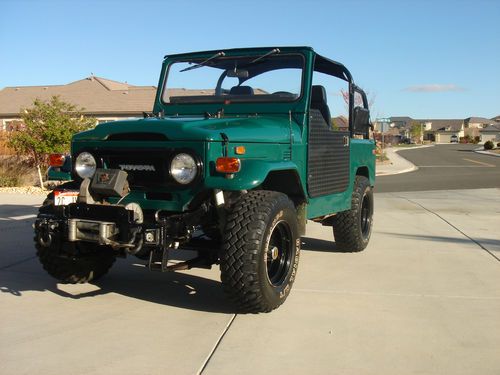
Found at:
<point>396,164</point>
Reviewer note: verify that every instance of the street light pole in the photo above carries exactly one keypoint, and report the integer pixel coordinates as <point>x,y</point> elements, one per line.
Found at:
<point>382,139</point>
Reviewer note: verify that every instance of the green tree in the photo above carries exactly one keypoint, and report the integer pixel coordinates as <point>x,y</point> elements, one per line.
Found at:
<point>416,131</point>
<point>47,127</point>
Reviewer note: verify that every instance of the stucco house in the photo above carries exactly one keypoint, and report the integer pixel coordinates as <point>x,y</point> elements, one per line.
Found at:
<point>441,131</point>
<point>491,133</point>
<point>101,98</point>
<point>478,122</point>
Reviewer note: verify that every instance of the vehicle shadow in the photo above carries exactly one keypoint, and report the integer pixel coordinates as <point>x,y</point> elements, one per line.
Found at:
<point>176,289</point>
<point>129,278</point>
<point>488,243</point>
<point>315,244</point>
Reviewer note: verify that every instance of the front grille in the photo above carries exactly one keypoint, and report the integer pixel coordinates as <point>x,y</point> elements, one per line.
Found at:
<point>145,167</point>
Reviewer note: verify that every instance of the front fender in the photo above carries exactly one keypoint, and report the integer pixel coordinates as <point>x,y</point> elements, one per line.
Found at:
<point>252,174</point>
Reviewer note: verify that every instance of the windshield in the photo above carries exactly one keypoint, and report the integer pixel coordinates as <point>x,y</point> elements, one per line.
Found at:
<point>268,77</point>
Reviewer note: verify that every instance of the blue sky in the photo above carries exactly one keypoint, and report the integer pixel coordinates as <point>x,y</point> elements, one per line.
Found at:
<point>424,59</point>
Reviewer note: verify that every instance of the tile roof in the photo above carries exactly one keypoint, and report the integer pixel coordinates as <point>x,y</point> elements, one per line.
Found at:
<point>341,122</point>
<point>95,94</point>
<point>491,128</point>
<point>400,118</point>
<point>479,120</point>
<point>452,125</point>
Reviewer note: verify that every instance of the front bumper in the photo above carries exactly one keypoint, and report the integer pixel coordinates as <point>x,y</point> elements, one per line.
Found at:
<point>115,226</point>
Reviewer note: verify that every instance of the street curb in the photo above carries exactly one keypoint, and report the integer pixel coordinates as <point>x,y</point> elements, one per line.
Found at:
<point>406,170</point>
<point>396,149</point>
<point>411,169</point>
<point>482,151</point>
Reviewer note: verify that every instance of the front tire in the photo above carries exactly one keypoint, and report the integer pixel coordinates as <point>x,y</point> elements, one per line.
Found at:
<point>78,268</point>
<point>71,263</point>
<point>352,229</point>
<point>260,251</point>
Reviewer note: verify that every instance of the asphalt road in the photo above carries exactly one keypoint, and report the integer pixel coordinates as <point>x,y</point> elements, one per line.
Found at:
<point>444,167</point>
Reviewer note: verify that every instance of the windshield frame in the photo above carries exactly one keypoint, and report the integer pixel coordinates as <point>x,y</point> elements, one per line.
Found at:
<point>232,104</point>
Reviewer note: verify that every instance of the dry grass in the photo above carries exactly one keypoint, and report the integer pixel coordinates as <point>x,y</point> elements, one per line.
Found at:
<point>16,171</point>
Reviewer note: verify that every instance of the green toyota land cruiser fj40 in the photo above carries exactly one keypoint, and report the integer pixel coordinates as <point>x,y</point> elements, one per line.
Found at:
<point>239,152</point>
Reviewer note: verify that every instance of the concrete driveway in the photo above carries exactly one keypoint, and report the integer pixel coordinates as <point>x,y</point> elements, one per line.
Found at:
<point>424,298</point>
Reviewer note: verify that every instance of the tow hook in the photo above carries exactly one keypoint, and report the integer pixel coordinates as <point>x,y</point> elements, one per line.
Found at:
<point>45,227</point>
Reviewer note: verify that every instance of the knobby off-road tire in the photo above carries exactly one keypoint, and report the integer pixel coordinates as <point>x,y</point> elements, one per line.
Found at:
<point>260,251</point>
<point>90,261</point>
<point>352,229</point>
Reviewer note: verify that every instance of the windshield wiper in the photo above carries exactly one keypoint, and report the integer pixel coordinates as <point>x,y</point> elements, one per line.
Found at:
<point>218,54</point>
<point>272,52</point>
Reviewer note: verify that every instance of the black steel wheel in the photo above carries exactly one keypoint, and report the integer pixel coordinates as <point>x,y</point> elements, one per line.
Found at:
<point>352,229</point>
<point>279,253</point>
<point>260,251</point>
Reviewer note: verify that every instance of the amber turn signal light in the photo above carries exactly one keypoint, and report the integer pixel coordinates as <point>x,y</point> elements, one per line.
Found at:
<point>56,160</point>
<point>240,150</point>
<point>227,165</point>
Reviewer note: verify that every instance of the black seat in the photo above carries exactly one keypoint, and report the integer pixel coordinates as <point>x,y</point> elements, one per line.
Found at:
<point>318,101</point>
<point>241,90</point>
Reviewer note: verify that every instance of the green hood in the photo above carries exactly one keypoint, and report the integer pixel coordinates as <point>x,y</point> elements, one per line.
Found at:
<point>242,129</point>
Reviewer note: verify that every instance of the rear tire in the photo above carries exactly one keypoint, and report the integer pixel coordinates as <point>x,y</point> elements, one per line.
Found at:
<point>260,251</point>
<point>352,229</point>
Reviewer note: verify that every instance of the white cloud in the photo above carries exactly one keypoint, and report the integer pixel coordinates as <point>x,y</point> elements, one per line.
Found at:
<point>435,87</point>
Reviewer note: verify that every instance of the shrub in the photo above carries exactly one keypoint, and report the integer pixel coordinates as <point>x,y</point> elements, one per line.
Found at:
<point>48,128</point>
<point>498,144</point>
<point>381,157</point>
<point>488,145</point>
<point>16,171</point>
<point>9,181</point>
<point>477,139</point>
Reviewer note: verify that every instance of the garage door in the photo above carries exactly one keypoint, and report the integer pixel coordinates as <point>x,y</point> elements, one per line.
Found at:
<point>444,138</point>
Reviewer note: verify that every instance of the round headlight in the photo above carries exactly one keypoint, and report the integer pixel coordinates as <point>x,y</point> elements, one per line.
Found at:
<point>85,165</point>
<point>183,168</point>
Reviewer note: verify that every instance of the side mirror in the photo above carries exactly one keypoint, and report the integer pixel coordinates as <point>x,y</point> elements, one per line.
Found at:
<point>361,120</point>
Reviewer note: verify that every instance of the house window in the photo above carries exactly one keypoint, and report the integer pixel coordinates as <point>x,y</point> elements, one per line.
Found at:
<point>12,125</point>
